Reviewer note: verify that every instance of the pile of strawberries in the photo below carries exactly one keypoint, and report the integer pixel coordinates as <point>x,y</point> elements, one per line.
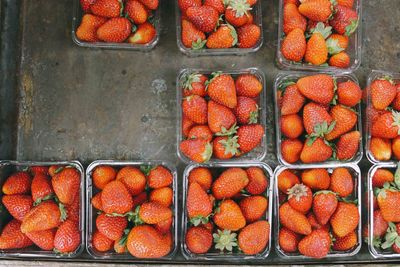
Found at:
<point>317,31</point>
<point>44,203</point>
<point>383,116</point>
<point>117,21</point>
<point>220,115</point>
<point>230,212</point>
<point>317,120</point>
<point>217,24</point>
<point>134,210</point>
<point>317,212</point>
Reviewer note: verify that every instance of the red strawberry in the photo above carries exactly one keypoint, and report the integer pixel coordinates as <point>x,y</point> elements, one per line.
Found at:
<point>220,118</point>
<point>292,100</point>
<point>347,3</point>
<point>254,237</point>
<point>100,242</point>
<point>43,239</point>
<point>225,147</point>
<point>292,19</point>
<point>342,182</point>
<point>154,212</point>
<point>388,201</point>
<point>115,198</point>
<point>294,220</point>
<point>248,35</point>
<point>186,125</point>
<point>159,177</point>
<point>150,4</point>
<point>164,227</point>
<point>17,183</point>
<point>317,49</point>
<point>253,208</point>
<point>288,240</point>
<point>316,179</point>
<point>205,18</point>
<point>221,89</point>
<point>198,204</point>
<point>345,119</point>
<point>73,211</point>
<point>287,180</point>
<point>319,88</point>
<point>294,45</point>
<point>200,132</point>
<point>106,8</point>
<point>195,109</point>
<point>218,5</point>
<point>292,126</point>
<point>136,11</point>
<point>45,216</point>
<point>17,205</point>
<point>163,195</point>
<point>68,237</point>
<point>102,175</point>
<point>317,10</point>
<point>194,84</point>
<point>396,100</point>
<point>12,237</point>
<point>249,137</point>
<point>202,176</point>
<point>345,243</point>
<point>144,34</point>
<point>115,30</point>
<point>88,27</point>
<point>347,146</point>
<point>139,199</point>
<point>246,110</point>
<point>382,176</point>
<point>317,244</point>
<point>383,92</point>
<point>41,187</point>
<point>110,226</point>
<point>191,36</point>
<point>291,150</point>
<point>224,37</point>
<point>229,216</point>
<point>248,85</point>
<point>380,225</point>
<point>196,150</point>
<point>381,148</point>
<point>198,239</point>
<point>66,185</point>
<point>39,169</point>
<point>345,20</point>
<point>315,224</point>
<point>236,12</point>
<point>324,205</point>
<point>300,198</point>
<point>387,125</point>
<point>185,4</point>
<point>345,219</point>
<point>85,5</point>
<point>317,151</point>
<point>258,182</point>
<point>340,60</point>
<point>229,183</point>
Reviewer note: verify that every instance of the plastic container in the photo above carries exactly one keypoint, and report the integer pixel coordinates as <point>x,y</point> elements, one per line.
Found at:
<point>375,74</point>
<point>294,76</point>
<point>354,48</point>
<point>76,20</point>
<point>91,212</point>
<point>259,152</point>
<point>7,167</point>
<point>216,256</point>
<point>356,173</point>
<point>256,11</point>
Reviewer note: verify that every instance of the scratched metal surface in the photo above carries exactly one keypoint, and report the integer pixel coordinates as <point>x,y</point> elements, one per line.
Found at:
<point>60,101</point>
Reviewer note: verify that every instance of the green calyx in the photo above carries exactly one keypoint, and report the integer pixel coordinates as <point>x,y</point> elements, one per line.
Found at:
<point>40,200</point>
<point>391,237</point>
<point>227,132</point>
<point>188,80</point>
<point>146,169</point>
<point>196,221</point>
<point>282,86</point>
<point>297,191</point>
<point>320,130</point>
<point>396,120</point>
<point>351,27</point>
<point>213,75</point>
<point>198,44</point>
<point>253,117</point>
<point>63,212</point>
<point>325,31</point>
<point>387,78</point>
<point>231,145</point>
<point>233,34</point>
<point>59,170</point>
<point>333,46</point>
<point>325,192</point>
<point>241,7</point>
<point>124,238</point>
<point>206,155</point>
<point>225,240</point>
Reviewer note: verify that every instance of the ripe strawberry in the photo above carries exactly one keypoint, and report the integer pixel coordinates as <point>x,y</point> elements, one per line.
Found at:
<point>396,147</point>
<point>198,239</point>
<point>324,205</point>
<point>115,198</point>
<point>345,243</point>
<point>164,227</point>
<point>345,219</point>
<point>294,220</point>
<point>249,137</point>
<point>387,125</point>
<point>163,195</point>
<point>96,202</point>
<point>186,125</point>
<point>54,169</point>
<point>150,4</point>
<point>159,177</point>
<point>229,216</point>
<point>194,84</point>
<point>85,5</point>
<point>318,10</point>
<point>388,202</point>
<point>340,60</point>
<point>218,5</point>
<point>229,183</point>
<point>197,150</point>
<point>292,19</point>
<point>246,110</point>
<point>300,198</point>
<point>258,182</point>
<point>315,224</point>
<point>145,242</point>
<point>317,244</point>
<point>100,242</point>
<point>12,237</point>
<point>373,114</point>
<point>191,36</point>
<point>136,11</point>
<point>221,89</point>
<point>41,188</point>
<point>342,182</point>
<point>110,226</point>
<point>139,199</point>
<point>194,107</point>
<point>347,146</point>
<point>154,212</point>
<point>39,169</point>
<point>396,100</point>
<point>288,240</point>
<point>286,180</point>
<point>316,179</point>
<point>345,119</point>
<point>102,175</point>
<point>248,35</point>
<point>185,4</point>
<point>381,148</point>
<point>236,12</point>
<point>383,92</point>
<point>254,237</point>
<point>380,225</point>
<point>296,2</point>
<point>381,176</point>
<point>318,151</point>
<point>66,184</point>
<point>345,20</point>
<point>73,211</point>
<point>45,216</point>
<point>292,100</point>
<point>17,183</point>
<point>43,239</point>
<point>291,150</point>
<point>317,50</point>
<point>205,18</point>
<point>106,8</point>
<point>220,118</point>
<point>248,85</point>
<point>292,126</point>
<point>349,93</point>
<point>17,205</point>
<point>294,45</point>
<point>315,116</point>
<point>144,34</point>
<point>225,147</point>
<point>337,43</point>
<point>202,176</point>
<point>319,88</point>
<point>346,3</point>
<point>253,208</point>
<point>68,237</point>
<point>198,204</point>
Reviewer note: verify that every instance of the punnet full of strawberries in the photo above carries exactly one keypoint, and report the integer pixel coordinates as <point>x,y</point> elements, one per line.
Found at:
<point>117,21</point>
<point>318,117</point>
<point>218,24</point>
<point>220,115</point>
<point>318,212</point>
<point>383,117</point>
<point>317,32</point>
<point>134,210</point>
<point>226,211</point>
<point>44,203</point>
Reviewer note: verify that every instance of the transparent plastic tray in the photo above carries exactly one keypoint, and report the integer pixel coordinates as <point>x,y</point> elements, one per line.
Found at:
<point>215,256</point>
<point>7,167</point>
<point>91,212</point>
<point>294,76</point>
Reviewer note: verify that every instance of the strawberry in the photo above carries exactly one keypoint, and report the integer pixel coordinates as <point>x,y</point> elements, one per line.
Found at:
<point>88,27</point>
<point>286,180</point>
<point>345,119</point>
<point>236,12</point>
<point>229,183</point>
<point>185,4</point>
<point>337,43</point>
<point>45,216</point>
<point>41,188</point>
<point>294,45</point>
<point>221,89</point>
<point>246,110</point>
<point>292,19</point>
<point>318,151</point>
<point>194,84</point>
<point>202,176</point>
<point>150,4</point>
<point>387,125</point>
<point>225,147</point>
<point>347,146</point>
<point>43,239</point>
<point>248,85</point>
<point>191,36</point>
<point>294,220</point>
<point>144,34</point>
<point>85,5</point>
<point>159,177</point>
<point>17,205</point>
<point>324,205</point>
<point>186,125</point>
<point>345,20</point>
<point>317,10</point>
<point>315,119</point>
<point>229,216</point>
<point>107,8</point>
<point>345,243</point>
<point>139,199</point>
<point>292,100</point>
<point>249,137</point>
<point>198,204</point>
<point>194,107</point>
<point>198,239</point>
<point>197,150</point>
<point>110,226</point>
<point>317,244</point>
<point>254,238</point>
<point>68,237</point>
<point>145,242</point>
<point>383,92</point>
<point>342,182</point>
<point>164,227</point>
<point>100,242</point>
<point>253,208</point>
<point>380,225</point>
<point>345,219</point>
<point>315,224</point>
<point>136,11</point>
<point>115,198</point>
<point>163,195</point>
<point>73,211</point>
<point>291,150</point>
<point>300,198</point>
<point>373,114</point>
<point>205,18</point>
<point>349,93</point>
<point>39,169</point>
<point>66,184</point>
<point>12,237</point>
<point>258,182</point>
<point>248,35</point>
<point>396,100</point>
<point>96,202</point>
<point>288,240</point>
<point>292,126</point>
<point>218,5</point>
<point>381,148</point>
<point>318,88</point>
<point>316,179</point>
<point>340,60</point>
<point>17,183</point>
<point>388,201</point>
<point>154,212</point>
<point>102,175</point>
<point>220,118</point>
<point>296,2</point>
<point>396,147</point>
<point>54,169</point>
<point>382,176</point>
<point>346,3</point>
<point>317,50</point>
